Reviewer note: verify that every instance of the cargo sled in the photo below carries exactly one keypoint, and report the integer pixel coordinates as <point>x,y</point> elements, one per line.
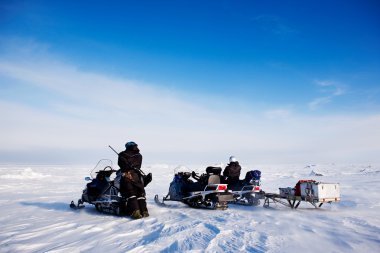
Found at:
<point>310,191</point>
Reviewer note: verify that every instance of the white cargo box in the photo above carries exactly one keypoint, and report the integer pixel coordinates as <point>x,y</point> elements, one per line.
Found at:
<point>320,192</point>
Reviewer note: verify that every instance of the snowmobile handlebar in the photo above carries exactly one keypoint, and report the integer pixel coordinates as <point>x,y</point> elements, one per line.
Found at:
<point>195,175</point>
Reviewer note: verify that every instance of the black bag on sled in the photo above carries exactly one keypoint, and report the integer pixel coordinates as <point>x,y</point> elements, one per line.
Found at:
<point>253,175</point>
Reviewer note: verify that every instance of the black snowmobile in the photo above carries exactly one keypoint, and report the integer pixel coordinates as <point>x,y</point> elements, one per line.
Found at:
<point>248,191</point>
<point>102,191</point>
<point>204,191</point>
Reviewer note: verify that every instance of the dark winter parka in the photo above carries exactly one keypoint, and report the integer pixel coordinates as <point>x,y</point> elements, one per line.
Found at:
<point>130,160</point>
<point>232,172</point>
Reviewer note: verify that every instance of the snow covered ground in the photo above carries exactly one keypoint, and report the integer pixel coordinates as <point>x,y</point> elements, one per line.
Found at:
<point>35,215</point>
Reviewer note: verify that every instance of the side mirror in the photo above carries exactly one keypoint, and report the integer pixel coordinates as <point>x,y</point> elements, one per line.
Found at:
<point>87,178</point>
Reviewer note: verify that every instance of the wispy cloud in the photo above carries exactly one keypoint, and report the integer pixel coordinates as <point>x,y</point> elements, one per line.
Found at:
<point>319,102</point>
<point>91,110</point>
<point>331,89</point>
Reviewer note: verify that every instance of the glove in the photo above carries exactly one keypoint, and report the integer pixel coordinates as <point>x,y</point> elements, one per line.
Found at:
<point>147,179</point>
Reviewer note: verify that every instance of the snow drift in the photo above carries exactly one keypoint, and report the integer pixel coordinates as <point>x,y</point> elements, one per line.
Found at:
<point>36,216</point>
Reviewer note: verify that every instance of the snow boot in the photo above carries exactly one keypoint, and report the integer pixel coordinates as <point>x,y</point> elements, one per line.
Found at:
<point>145,214</point>
<point>136,214</point>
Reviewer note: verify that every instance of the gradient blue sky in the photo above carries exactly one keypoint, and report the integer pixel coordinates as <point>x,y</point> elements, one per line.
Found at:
<point>300,72</point>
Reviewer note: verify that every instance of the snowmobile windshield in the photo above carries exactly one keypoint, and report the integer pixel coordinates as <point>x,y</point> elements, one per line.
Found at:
<point>182,171</point>
<point>182,168</point>
<point>103,168</point>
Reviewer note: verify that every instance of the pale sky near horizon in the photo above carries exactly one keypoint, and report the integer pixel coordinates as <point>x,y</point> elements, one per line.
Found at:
<point>190,81</point>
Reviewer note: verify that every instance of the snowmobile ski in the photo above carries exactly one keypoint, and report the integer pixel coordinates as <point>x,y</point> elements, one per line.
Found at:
<point>80,204</point>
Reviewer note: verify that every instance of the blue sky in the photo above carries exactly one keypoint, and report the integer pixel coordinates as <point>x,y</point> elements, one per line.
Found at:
<point>254,71</point>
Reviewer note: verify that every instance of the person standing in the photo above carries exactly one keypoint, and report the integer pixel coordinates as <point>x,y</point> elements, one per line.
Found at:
<point>132,183</point>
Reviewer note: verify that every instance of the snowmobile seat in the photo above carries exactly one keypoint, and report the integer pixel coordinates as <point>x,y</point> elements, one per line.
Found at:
<point>212,176</point>
<point>213,170</point>
<point>214,179</point>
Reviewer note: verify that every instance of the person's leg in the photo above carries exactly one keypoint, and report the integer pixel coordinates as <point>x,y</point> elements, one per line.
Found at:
<point>133,207</point>
<point>142,204</point>
<point>129,192</point>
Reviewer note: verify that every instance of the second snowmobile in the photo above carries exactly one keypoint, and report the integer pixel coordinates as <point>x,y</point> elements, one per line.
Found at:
<point>199,191</point>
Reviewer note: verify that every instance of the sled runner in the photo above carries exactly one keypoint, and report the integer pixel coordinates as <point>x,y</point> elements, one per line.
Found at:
<point>205,192</point>
<point>102,192</point>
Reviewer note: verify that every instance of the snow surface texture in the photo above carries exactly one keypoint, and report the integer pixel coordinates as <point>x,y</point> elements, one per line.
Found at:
<point>36,217</point>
